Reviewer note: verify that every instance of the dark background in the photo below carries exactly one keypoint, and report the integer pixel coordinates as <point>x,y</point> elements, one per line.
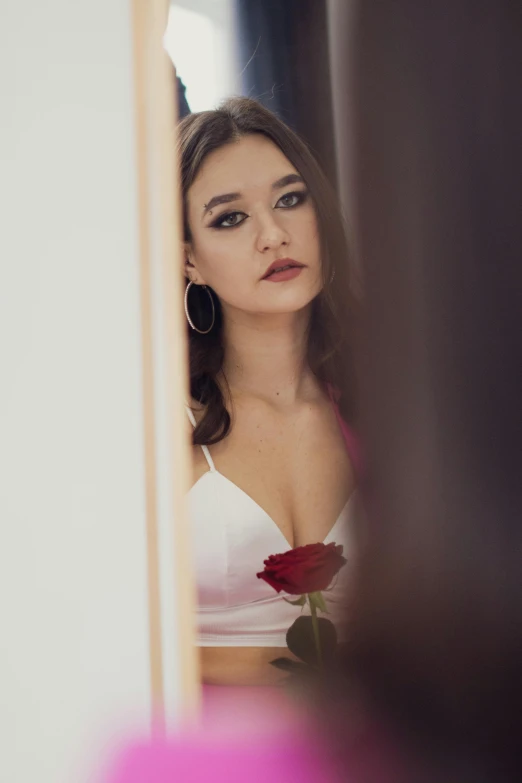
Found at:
<point>285,64</point>
<point>286,47</point>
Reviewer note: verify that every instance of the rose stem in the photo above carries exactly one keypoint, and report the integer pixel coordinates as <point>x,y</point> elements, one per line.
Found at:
<point>315,628</point>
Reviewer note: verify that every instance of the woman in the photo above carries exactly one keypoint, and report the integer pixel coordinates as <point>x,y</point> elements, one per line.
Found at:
<point>269,310</point>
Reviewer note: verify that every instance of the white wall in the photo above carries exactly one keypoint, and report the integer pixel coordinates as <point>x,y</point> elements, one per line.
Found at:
<point>201,40</point>
<point>74,660</point>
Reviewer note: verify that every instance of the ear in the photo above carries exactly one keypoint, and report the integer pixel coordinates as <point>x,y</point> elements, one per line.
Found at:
<point>189,266</point>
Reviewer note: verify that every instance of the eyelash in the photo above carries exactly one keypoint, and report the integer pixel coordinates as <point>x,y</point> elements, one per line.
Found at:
<point>302,196</point>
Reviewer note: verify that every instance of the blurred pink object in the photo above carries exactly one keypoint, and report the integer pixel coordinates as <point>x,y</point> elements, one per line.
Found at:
<point>246,735</point>
<point>196,759</point>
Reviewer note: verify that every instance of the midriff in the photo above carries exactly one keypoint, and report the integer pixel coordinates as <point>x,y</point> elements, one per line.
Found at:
<point>241,665</point>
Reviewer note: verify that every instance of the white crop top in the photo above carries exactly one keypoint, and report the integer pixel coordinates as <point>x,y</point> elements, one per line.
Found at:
<point>232,536</point>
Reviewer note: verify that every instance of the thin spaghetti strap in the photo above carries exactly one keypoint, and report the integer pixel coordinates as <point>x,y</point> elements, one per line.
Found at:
<point>191,416</point>
<point>204,449</point>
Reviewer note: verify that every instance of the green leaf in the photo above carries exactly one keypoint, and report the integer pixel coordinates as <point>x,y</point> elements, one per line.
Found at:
<point>318,601</point>
<point>300,639</point>
<point>300,601</point>
<point>288,665</point>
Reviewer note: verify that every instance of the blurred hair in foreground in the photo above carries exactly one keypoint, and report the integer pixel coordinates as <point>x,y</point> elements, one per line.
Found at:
<point>438,178</point>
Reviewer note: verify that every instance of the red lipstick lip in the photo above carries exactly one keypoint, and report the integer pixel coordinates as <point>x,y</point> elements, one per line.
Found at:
<point>280,263</point>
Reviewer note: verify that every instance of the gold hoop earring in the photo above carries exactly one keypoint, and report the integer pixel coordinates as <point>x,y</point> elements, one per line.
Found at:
<point>189,319</point>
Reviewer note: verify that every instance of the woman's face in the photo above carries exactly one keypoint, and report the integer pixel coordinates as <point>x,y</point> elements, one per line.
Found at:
<point>249,212</point>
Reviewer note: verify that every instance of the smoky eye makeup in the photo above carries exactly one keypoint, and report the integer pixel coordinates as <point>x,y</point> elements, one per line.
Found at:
<point>234,218</point>
<point>229,219</point>
<point>295,197</point>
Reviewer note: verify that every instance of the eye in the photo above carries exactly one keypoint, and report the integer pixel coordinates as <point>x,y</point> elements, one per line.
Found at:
<point>293,199</point>
<point>230,220</point>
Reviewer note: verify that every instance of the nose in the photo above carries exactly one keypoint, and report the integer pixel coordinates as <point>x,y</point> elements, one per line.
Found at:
<point>271,234</point>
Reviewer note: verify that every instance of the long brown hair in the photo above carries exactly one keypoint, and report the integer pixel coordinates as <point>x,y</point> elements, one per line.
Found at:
<point>333,310</point>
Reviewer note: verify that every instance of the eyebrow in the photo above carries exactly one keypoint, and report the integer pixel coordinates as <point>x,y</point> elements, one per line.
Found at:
<point>226,198</point>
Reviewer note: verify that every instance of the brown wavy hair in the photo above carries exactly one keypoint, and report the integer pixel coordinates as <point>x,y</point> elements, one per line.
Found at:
<point>330,332</point>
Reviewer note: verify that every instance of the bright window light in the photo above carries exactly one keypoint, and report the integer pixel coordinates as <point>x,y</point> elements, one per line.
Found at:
<point>192,41</point>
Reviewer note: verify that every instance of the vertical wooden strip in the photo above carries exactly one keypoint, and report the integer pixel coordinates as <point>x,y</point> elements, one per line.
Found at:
<point>171,583</point>
<point>175,360</point>
<point>144,239</point>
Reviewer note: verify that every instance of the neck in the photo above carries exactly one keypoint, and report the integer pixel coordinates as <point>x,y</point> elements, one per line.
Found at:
<point>266,356</point>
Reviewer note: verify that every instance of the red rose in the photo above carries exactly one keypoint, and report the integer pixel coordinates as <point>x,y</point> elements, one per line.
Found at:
<point>306,569</point>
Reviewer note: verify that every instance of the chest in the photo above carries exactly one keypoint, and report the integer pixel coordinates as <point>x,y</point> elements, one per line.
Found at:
<point>292,464</point>
<point>232,536</point>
